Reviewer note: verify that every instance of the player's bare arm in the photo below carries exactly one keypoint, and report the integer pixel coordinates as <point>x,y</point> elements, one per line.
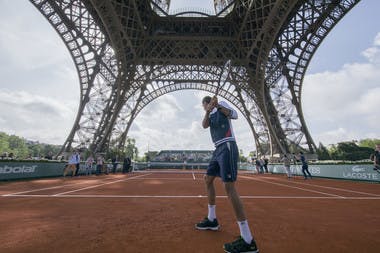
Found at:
<point>206,120</point>
<point>208,108</point>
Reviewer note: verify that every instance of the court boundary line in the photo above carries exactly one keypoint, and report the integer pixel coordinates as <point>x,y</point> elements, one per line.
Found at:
<point>170,171</point>
<point>335,188</point>
<point>95,186</point>
<point>48,188</point>
<point>168,178</point>
<point>186,196</point>
<point>294,187</point>
<point>144,176</point>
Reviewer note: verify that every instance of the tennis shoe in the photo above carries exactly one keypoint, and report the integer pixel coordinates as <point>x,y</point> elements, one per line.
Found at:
<point>206,224</point>
<point>240,246</point>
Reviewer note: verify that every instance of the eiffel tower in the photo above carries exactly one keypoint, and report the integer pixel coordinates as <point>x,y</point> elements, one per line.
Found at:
<point>253,53</point>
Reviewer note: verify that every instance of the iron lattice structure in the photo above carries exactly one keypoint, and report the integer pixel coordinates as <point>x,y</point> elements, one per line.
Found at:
<point>129,52</point>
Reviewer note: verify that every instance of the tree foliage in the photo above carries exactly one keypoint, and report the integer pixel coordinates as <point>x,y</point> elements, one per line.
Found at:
<point>323,153</point>
<point>369,143</point>
<point>130,150</point>
<point>242,158</point>
<point>349,151</point>
<point>21,148</point>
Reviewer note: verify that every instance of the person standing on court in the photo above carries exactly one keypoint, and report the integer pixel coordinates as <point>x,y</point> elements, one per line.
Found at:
<point>99,165</point>
<point>77,157</point>
<point>376,158</point>
<point>258,166</point>
<point>262,165</point>
<point>114,164</point>
<point>223,164</point>
<point>305,166</point>
<point>286,161</point>
<point>89,163</point>
<point>266,161</point>
<point>126,164</point>
<point>71,165</point>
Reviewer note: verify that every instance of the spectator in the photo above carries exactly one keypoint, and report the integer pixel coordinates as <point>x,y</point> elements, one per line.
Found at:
<point>266,161</point>
<point>89,164</point>
<point>376,158</point>
<point>258,165</point>
<point>114,164</point>
<point>126,165</point>
<point>261,165</point>
<point>99,165</point>
<point>286,161</point>
<point>77,157</point>
<point>71,166</point>
<point>305,166</point>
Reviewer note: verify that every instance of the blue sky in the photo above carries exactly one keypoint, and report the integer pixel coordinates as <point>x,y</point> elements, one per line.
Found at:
<point>39,89</point>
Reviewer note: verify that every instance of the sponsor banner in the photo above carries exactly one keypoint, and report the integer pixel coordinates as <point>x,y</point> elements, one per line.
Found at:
<point>20,170</point>
<point>352,172</point>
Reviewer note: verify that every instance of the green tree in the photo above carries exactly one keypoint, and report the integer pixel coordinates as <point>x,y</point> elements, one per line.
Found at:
<point>242,158</point>
<point>369,143</point>
<point>4,144</point>
<point>349,151</point>
<point>322,152</point>
<point>130,149</point>
<point>22,148</point>
<point>17,146</point>
<point>35,150</point>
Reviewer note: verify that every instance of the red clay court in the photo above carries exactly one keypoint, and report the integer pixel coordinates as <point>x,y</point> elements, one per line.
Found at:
<point>155,212</point>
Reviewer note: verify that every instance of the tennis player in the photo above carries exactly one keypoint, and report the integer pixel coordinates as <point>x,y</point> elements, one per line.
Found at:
<point>305,166</point>
<point>72,165</point>
<point>223,164</point>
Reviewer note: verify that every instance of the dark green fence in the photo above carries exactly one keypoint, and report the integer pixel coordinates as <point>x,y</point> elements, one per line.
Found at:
<point>363,172</point>
<point>20,170</point>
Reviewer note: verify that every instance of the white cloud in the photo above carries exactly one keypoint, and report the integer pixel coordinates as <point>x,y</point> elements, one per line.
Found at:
<point>33,58</point>
<point>342,105</point>
<point>36,117</point>
<point>342,134</point>
<point>373,53</point>
<point>377,40</point>
<point>30,43</point>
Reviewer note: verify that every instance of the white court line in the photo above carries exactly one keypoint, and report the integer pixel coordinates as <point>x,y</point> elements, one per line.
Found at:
<point>169,171</point>
<point>334,188</point>
<point>289,186</point>
<point>62,186</point>
<point>193,175</point>
<point>165,178</point>
<point>47,188</point>
<point>189,197</point>
<point>94,186</point>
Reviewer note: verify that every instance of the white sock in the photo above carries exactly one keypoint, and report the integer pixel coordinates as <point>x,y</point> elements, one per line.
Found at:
<point>245,232</point>
<point>211,213</point>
